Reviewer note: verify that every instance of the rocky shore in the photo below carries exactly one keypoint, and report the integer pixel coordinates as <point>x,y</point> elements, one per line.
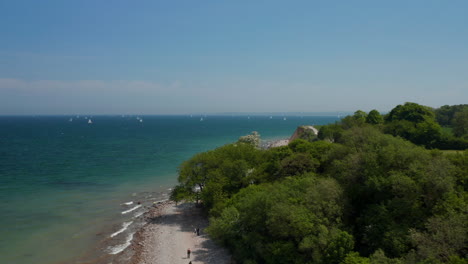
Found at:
<point>168,233</point>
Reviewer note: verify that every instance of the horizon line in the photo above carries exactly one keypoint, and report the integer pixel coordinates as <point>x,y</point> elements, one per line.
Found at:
<point>325,113</point>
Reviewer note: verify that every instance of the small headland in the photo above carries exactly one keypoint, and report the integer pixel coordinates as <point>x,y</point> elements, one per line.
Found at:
<point>303,132</point>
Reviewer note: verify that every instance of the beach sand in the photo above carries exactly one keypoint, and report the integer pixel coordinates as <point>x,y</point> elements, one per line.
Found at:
<point>279,143</point>
<point>169,232</point>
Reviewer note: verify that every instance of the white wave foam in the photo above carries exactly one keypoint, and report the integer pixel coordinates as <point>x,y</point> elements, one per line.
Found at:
<point>160,201</point>
<point>124,227</point>
<point>119,248</point>
<point>138,214</point>
<point>128,203</point>
<point>132,209</point>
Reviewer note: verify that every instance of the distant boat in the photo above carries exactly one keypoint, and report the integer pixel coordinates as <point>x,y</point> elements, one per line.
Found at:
<point>89,121</point>
<point>271,117</point>
<point>70,120</point>
<point>141,120</point>
<point>248,117</point>
<point>284,118</point>
<point>201,119</point>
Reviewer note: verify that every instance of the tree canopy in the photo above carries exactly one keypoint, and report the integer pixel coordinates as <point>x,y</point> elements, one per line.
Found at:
<point>366,191</point>
<point>414,122</point>
<point>374,117</point>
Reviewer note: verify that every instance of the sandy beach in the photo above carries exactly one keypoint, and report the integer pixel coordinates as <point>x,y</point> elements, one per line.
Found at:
<point>169,232</point>
<point>275,143</point>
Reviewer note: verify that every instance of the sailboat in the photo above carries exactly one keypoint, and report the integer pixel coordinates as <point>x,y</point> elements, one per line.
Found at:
<point>89,121</point>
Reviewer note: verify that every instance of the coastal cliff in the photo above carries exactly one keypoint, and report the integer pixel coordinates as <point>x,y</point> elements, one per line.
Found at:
<point>304,132</point>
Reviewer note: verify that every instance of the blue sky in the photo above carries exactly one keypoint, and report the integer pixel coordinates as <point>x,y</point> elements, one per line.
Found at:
<point>176,57</point>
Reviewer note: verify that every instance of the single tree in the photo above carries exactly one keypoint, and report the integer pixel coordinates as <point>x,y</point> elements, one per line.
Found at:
<point>374,117</point>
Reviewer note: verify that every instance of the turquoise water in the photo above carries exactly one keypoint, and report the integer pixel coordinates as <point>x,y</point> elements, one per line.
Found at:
<point>64,182</point>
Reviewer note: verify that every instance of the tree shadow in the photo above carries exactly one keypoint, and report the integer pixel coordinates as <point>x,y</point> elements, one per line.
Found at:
<point>186,216</point>
<point>211,253</point>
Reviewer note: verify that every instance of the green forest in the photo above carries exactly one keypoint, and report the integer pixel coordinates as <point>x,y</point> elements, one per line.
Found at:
<point>370,188</point>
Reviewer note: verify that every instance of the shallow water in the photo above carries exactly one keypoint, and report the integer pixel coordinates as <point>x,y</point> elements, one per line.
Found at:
<point>64,185</point>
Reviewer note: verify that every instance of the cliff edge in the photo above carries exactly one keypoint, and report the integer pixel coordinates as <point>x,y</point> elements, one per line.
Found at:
<point>304,132</point>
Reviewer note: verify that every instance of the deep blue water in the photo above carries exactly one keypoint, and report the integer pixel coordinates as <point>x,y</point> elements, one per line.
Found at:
<point>63,182</point>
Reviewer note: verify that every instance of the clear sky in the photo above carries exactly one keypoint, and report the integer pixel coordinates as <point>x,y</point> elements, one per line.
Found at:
<point>208,56</point>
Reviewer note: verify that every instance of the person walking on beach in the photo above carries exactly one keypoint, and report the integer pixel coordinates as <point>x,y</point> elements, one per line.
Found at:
<point>188,253</point>
<point>198,231</point>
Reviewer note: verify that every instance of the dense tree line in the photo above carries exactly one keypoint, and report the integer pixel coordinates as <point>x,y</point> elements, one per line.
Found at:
<point>456,117</point>
<point>416,123</point>
<point>367,190</point>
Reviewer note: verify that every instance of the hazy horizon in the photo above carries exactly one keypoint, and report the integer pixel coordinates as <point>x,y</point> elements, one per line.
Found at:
<point>182,57</point>
<point>262,114</point>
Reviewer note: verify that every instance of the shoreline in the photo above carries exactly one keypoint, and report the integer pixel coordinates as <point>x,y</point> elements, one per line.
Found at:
<point>168,233</point>
<point>274,143</point>
<point>138,235</point>
<point>78,207</point>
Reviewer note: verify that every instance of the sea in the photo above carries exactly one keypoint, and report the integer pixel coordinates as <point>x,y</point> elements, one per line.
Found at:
<point>73,189</point>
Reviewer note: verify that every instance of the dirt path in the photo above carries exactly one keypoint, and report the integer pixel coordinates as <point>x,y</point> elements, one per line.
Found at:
<point>171,232</point>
